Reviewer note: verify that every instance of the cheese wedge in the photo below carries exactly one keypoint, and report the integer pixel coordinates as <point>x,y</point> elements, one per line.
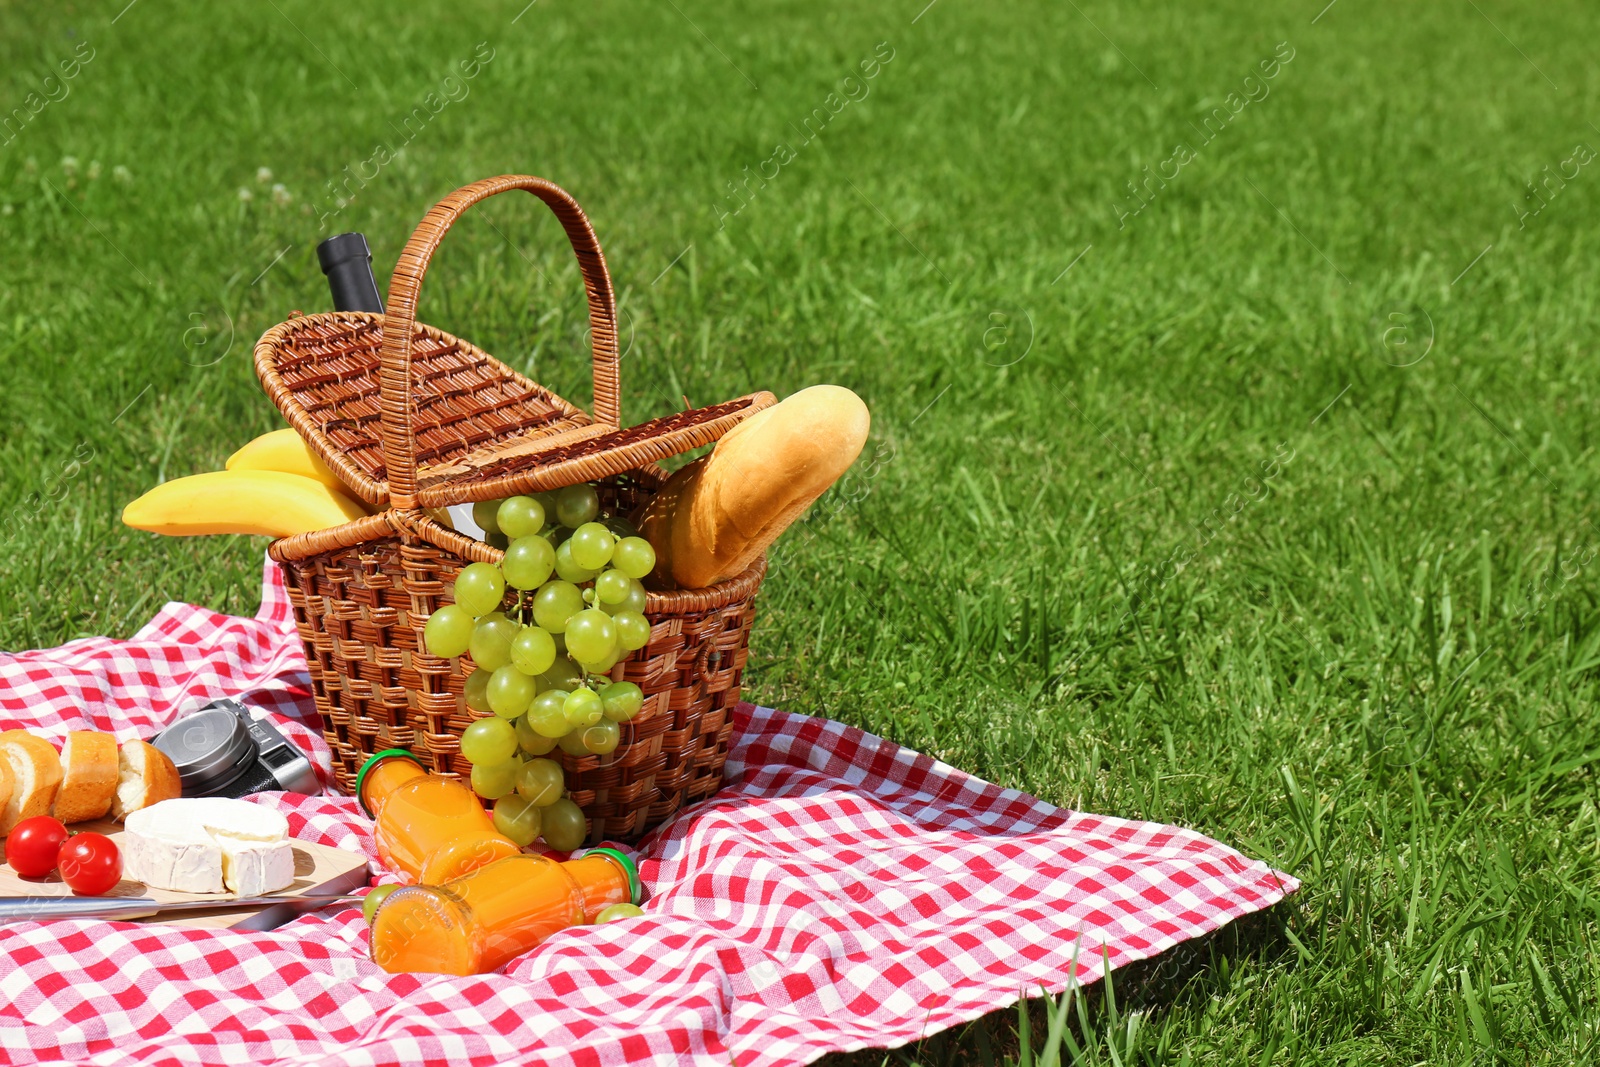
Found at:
<point>208,845</point>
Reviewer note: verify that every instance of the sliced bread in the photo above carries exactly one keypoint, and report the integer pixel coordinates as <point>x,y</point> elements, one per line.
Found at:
<point>145,776</point>
<point>36,774</point>
<point>88,778</point>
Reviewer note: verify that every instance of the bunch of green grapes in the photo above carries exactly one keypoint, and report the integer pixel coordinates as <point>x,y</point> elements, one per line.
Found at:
<point>577,608</point>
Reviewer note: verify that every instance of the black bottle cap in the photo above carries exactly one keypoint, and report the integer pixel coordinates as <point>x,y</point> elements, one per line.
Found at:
<point>347,261</point>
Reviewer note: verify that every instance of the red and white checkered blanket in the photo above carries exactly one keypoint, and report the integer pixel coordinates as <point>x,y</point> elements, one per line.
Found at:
<point>840,892</point>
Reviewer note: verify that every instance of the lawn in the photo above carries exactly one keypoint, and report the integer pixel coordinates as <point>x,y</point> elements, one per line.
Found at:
<point>1232,458</point>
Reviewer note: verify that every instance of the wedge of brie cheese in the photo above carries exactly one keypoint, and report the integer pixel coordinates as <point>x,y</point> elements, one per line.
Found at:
<point>208,845</point>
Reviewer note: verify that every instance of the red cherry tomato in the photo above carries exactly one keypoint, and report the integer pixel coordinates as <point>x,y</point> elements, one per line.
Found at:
<point>34,844</point>
<point>90,864</point>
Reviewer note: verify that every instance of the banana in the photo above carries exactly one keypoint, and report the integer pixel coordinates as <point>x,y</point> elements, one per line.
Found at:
<point>286,451</point>
<point>241,501</point>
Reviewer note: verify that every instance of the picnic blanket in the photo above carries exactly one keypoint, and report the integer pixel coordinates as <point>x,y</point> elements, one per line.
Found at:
<point>840,892</point>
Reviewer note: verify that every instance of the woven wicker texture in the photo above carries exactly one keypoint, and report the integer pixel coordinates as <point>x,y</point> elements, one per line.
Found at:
<point>482,431</point>
<point>412,418</point>
<point>326,371</point>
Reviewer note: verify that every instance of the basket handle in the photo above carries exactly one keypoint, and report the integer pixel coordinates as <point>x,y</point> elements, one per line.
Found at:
<point>399,440</point>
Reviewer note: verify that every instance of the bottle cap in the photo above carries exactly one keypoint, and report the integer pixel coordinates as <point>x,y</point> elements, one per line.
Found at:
<point>635,887</point>
<point>347,261</point>
<point>342,248</point>
<point>372,761</point>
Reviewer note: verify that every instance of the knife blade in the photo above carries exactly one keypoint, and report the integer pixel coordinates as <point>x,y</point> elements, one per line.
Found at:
<point>292,908</point>
<point>40,909</point>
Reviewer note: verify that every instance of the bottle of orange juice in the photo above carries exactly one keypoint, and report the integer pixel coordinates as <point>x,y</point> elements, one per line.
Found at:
<point>429,827</point>
<point>489,916</point>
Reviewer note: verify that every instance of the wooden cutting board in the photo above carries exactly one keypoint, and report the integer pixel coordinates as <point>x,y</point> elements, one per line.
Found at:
<point>317,869</point>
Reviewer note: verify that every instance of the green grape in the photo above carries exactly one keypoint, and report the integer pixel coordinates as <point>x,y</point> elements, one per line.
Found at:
<point>528,563</point>
<point>491,781</point>
<point>634,602</point>
<point>568,568</point>
<point>497,540</point>
<point>621,700</point>
<point>491,641</point>
<point>576,505</point>
<point>483,513</point>
<point>556,535</point>
<point>530,741</point>
<point>370,903</point>
<point>520,516</point>
<point>560,643</point>
<point>542,782</point>
<point>582,707</point>
<point>517,819</point>
<point>477,690</point>
<point>572,743</point>
<point>591,546</point>
<point>620,527</point>
<point>618,911</point>
<point>547,715</point>
<point>633,630</point>
<point>564,826</point>
<point>588,597</point>
<point>533,651</point>
<point>564,675</point>
<point>448,632</point>
<point>634,557</point>
<point>612,587</point>
<point>603,666</point>
<point>479,588</point>
<point>555,603</point>
<point>489,741</point>
<point>510,692</point>
<point>602,738</point>
<point>591,636</point>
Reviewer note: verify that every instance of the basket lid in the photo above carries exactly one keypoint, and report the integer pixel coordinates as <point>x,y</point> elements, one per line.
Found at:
<point>410,416</point>
<point>481,430</point>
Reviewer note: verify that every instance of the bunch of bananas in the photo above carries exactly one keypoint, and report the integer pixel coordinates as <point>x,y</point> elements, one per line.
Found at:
<point>274,485</point>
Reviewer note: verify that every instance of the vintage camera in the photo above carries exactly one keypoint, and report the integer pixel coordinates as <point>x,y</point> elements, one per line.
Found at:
<point>220,751</point>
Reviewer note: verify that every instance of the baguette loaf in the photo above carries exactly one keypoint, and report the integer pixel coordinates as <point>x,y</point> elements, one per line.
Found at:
<point>89,777</point>
<point>714,517</point>
<point>36,774</point>
<point>145,776</point>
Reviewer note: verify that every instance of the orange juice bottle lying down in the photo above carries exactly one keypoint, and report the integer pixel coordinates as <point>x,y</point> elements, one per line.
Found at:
<point>428,827</point>
<point>488,917</point>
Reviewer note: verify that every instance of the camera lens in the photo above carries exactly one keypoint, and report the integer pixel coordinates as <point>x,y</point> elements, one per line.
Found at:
<point>210,748</point>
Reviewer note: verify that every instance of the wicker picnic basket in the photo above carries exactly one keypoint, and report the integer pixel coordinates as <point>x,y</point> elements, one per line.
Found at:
<point>412,420</point>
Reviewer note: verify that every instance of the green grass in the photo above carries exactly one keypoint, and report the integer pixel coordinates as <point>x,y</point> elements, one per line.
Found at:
<point>1378,673</point>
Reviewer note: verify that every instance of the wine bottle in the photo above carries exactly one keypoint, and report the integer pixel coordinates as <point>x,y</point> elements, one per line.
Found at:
<point>347,261</point>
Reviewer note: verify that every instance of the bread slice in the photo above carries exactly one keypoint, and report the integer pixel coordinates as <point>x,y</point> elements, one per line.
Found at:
<point>88,777</point>
<point>36,774</point>
<point>145,776</point>
<point>6,782</point>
